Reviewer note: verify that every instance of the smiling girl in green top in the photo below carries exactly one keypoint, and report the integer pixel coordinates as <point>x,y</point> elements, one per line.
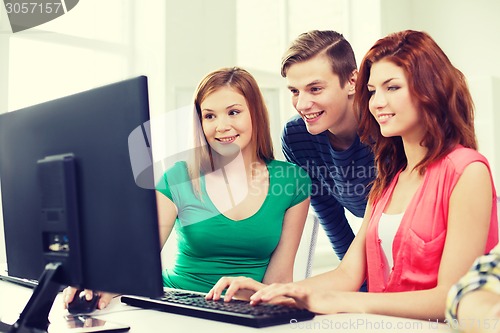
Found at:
<point>237,211</point>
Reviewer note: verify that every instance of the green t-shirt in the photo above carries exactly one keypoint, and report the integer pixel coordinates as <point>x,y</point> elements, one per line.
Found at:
<point>210,245</point>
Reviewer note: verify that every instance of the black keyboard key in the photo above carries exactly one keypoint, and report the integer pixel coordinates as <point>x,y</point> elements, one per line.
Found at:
<point>236,312</point>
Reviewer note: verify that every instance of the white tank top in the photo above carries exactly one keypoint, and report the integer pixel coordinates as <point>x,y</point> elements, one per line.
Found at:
<point>387,228</point>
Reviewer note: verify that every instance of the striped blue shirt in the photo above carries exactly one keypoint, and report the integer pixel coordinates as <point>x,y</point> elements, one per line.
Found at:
<point>340,179</point>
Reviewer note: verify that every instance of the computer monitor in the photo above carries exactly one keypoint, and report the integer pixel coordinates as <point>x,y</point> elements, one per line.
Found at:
<point>72,209</point>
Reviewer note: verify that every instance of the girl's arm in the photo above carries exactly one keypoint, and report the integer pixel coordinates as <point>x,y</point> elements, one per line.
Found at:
<point>167,213</point>
<point>468,225</point>
<point>280,268</point>
<point>315,293</point>
<point>467,232</point>
<point>349,275</point>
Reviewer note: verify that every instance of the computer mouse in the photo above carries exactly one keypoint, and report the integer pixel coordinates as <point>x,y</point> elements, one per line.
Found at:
<point>81,305</point>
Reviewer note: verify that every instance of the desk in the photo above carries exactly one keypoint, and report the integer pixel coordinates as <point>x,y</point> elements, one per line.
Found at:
<point>13,299</point>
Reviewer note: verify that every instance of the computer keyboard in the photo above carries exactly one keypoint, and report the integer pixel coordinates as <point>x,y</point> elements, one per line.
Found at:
<point>236,312</point>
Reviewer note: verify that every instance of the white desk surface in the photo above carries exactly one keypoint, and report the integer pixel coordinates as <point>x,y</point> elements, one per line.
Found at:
<point>13,299</point>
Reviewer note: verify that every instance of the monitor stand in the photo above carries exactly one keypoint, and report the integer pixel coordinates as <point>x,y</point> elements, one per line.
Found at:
<point>61,246</point>
<point>35,316</point>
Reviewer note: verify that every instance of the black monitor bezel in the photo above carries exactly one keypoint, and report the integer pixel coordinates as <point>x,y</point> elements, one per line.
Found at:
<point>119,229</point>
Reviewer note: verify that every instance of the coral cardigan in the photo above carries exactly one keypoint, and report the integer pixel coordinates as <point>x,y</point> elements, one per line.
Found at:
<point>419,242</point>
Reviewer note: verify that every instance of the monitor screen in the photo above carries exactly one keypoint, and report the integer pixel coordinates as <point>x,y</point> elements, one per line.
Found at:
<point>66,171</point>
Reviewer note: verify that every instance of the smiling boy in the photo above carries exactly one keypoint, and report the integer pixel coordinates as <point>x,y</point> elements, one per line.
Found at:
<point>320,69</point>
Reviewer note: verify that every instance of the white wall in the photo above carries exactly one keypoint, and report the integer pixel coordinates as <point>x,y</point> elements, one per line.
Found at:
<point>468,32</point>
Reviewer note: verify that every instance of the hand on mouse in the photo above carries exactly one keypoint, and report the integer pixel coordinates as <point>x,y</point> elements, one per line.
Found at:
<point>69,295</point>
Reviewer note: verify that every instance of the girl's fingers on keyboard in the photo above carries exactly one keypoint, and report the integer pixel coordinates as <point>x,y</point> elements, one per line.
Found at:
<point>235,287</point>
